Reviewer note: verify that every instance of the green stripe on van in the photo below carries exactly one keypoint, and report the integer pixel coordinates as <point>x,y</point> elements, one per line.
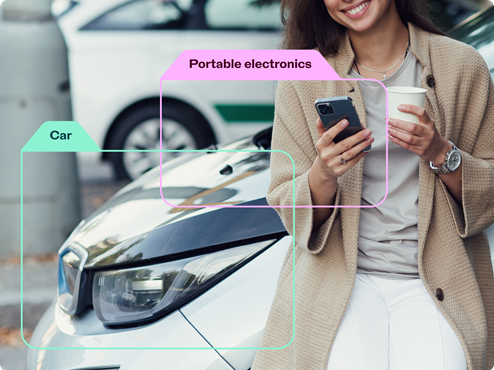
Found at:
<point>236,113</point>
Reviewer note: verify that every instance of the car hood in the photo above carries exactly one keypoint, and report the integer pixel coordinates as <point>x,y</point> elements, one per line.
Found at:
<point>140,223</point>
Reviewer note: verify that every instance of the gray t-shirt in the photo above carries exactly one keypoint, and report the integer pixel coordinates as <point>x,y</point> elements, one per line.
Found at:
<point>388,233</point>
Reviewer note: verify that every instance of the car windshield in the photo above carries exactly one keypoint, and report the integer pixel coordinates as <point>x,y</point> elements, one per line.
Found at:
<point>478,31</point>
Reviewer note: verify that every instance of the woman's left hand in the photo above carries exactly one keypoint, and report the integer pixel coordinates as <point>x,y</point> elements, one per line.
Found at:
<point>422,139</point>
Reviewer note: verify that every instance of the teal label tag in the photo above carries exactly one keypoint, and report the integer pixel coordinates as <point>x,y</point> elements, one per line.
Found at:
<point>61,136</point>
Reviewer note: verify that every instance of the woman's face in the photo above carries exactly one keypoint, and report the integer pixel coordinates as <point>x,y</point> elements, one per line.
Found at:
<point>360,15</point>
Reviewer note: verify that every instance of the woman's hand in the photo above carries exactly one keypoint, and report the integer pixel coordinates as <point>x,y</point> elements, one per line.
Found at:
<point>333,160</point>
<point>328,166</point>
<point>422,139</point>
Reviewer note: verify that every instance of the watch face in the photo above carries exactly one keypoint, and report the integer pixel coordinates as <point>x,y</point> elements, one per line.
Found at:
<point>454,161</point>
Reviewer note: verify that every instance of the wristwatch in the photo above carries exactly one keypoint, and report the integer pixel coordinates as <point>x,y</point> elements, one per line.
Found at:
<point>451,162</point>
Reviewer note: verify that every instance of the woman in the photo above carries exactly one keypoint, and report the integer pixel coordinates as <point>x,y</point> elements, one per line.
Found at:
<point>409,284</point>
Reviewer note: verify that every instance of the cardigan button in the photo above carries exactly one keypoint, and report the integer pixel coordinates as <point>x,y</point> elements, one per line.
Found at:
<point>439,294</point>
<point>431,81</point>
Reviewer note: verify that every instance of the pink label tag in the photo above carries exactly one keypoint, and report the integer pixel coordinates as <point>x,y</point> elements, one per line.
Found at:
<point>250,65</point>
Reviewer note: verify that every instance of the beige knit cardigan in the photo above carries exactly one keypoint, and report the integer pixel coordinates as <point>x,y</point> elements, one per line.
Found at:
<point>453,251</point>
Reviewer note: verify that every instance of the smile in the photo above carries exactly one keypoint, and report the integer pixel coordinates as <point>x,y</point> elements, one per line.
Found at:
<point>358,9</point>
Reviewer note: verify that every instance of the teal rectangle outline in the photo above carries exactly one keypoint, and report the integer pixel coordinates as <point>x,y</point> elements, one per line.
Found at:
<point>159,348</point>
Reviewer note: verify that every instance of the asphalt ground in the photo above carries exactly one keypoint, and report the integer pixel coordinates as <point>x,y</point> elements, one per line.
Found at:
<point>39,283</point>
<point>39,290</point>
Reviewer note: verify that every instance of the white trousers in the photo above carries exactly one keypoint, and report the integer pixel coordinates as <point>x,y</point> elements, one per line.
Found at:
<point>395,325</point>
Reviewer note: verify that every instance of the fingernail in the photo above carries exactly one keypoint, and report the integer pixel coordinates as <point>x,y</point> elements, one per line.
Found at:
<point>390,129</point>
<point>390,121</point>
<point>344,123</point>
<point>370,140</point>
<point>401,107</point>
<point>367,133</point>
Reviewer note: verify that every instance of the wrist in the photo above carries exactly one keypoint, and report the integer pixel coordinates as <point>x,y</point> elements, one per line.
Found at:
<point>321,177</point>
<point>322,187</point>
<point>440,157</point>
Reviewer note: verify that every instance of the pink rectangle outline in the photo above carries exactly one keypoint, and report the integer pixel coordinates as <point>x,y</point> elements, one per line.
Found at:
<point>268,206</point>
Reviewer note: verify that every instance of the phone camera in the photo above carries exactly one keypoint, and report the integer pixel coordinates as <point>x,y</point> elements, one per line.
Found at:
<point>325,109</point>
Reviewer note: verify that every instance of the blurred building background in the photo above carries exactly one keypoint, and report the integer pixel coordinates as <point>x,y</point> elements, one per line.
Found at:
<point>33,76</point>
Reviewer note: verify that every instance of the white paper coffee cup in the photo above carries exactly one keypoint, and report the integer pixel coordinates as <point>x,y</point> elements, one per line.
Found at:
<point>398,95</point>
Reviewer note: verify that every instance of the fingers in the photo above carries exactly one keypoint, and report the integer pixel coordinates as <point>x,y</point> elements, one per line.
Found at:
<point>342,168</point>
<point>348,143</point>
<point>350,149</point>
<point>410,127</point>
<point>355,159</point>
<point>350,157</point>
<point>356,150</point>
<point>336,129</point>
<point>320,128</point>
<point>404,136</point>
<point>327,138</point>
<point>401,143</point>
<point>418,111</point>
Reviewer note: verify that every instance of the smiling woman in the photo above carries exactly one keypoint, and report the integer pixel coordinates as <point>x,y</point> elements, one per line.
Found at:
<point>406,284</point>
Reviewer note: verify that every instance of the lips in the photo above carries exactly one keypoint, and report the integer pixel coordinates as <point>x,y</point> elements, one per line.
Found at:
<point>356,11</point>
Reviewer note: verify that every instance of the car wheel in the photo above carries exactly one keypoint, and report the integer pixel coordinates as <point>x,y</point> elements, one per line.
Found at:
<point>183,128</point>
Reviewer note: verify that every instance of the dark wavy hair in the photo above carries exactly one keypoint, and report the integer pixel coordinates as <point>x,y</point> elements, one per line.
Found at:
<point>308,24</point>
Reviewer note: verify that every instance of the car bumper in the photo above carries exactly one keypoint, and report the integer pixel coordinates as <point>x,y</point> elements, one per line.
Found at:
<point>56,330</point>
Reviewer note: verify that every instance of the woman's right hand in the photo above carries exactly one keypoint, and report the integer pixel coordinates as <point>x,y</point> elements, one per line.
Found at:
<point>333,160</point>
<point>328,166</point>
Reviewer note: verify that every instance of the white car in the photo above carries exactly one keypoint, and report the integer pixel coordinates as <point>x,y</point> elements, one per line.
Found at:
<point>119,49</point>
<point>139,274</point>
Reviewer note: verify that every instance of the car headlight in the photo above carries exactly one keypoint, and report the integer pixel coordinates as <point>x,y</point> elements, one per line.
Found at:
<point>144,293</point>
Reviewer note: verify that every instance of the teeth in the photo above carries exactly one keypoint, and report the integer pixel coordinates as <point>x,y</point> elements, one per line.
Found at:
<point>358,9</point>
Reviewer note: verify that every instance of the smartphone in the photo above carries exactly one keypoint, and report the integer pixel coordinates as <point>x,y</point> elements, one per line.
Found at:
<point>333,110</point>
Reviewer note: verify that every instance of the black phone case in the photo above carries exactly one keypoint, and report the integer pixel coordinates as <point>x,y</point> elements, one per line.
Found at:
<point>343,109</point>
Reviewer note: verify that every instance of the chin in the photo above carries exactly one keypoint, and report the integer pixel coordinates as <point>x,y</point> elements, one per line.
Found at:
<point>361,25</point>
